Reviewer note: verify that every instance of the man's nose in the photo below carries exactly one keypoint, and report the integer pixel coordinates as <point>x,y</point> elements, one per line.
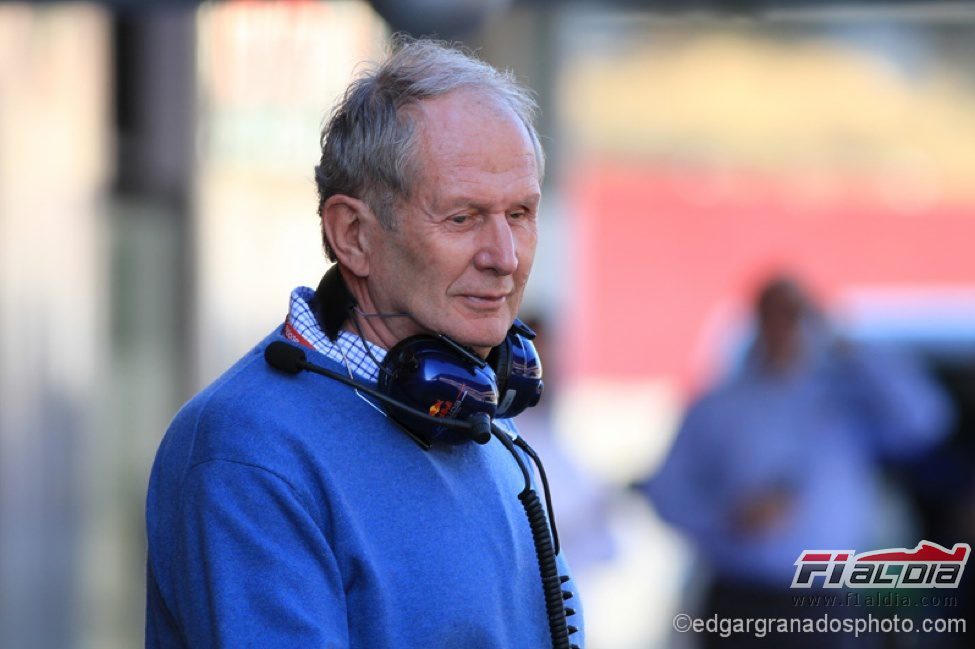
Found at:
<point>498,249</point>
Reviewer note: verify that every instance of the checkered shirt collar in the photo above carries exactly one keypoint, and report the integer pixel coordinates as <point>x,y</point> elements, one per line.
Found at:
<point>348,349</point>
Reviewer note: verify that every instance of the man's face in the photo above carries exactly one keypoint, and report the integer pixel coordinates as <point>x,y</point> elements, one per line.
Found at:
<point>459,256</point>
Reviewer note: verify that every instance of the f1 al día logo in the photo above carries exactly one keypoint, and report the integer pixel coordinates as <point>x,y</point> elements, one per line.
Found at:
<point>927,566</point>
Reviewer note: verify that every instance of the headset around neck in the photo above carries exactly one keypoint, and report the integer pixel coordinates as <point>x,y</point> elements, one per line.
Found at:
<point>437,375</point>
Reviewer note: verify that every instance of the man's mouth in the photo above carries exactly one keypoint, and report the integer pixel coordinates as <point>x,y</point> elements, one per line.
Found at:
<point>485,300</point>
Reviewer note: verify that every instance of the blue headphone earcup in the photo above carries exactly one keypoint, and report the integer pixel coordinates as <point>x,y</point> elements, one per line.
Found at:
<point>428,375</point>
<point>519,373</point>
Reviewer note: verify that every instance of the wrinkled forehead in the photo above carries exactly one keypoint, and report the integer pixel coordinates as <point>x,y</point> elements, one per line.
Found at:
<point>466,125</point>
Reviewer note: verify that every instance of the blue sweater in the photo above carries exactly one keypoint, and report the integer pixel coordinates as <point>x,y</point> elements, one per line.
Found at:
<point>285,511</point>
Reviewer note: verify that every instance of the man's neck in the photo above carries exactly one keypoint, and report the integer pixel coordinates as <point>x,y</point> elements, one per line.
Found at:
<point>367,321</point>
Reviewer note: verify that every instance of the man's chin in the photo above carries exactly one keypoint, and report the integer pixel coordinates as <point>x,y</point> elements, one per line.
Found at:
<point>478,334</point>
<point>482,341</point>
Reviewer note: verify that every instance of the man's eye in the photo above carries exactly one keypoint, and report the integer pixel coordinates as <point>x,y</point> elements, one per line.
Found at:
<point>459,219</point>
<point>516,215</point>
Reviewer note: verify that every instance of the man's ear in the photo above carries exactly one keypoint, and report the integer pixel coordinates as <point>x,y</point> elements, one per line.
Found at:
<point>345,221</point>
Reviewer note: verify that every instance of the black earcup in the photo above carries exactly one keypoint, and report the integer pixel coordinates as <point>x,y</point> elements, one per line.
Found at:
<point>499,359</point>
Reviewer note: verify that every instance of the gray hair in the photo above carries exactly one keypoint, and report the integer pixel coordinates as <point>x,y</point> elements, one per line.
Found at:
<point>368,144</point>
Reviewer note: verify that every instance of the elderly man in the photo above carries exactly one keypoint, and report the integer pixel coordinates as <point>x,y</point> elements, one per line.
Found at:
<point>295,511</point>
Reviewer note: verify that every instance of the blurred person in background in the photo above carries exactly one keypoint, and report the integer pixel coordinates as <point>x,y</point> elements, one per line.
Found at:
<point>295,511</point>
<point>783,456</point>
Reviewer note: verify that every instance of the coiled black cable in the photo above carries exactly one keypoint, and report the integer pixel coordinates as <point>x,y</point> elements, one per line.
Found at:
<point>544,551</point>
<point>551,584</point>
<point>523,445</point>
<point>566,594</point>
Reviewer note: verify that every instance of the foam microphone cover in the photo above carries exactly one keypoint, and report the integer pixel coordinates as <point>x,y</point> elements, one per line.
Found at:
<point>287,358</point>
<point>480,423</point>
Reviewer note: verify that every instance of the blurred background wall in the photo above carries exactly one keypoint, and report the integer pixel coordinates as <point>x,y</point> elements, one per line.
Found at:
<point>157,205</point>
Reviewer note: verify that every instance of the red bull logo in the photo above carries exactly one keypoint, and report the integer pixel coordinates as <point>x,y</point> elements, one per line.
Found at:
<point>441,408</point>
